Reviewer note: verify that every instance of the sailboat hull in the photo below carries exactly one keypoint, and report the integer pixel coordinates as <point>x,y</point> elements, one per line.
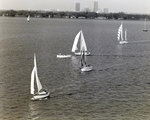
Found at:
<point>79,53</point>
<point>123,42</point>
<point>86,68</point>
<point>40,96</point>
<point>145,30</point>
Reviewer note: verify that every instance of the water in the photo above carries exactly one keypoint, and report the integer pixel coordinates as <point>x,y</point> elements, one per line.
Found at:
<point>118,88</point>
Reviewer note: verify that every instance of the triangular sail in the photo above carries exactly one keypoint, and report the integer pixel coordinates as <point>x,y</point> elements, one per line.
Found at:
<point>120,33</point>
<point>39,86</point>
<point>82,44</point>
<point>79,37</point>
<point>32,81</point>
<point>74,47</point>
<point>28,18</point>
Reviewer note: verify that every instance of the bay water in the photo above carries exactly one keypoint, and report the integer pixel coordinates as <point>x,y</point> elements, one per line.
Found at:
<point>118,88</point>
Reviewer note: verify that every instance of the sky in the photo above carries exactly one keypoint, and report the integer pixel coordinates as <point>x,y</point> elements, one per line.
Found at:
<point>127,6</point>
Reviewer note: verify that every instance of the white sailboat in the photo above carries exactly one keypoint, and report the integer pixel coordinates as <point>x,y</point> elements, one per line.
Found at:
<point>120,35</point>
<point>145,29</point>
<point>41,93</point>
<point>84,66</point>
<point>79,38</point>
<point>28,18</point>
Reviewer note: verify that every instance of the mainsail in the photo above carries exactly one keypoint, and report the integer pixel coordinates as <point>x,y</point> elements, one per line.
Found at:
<point>39,86</point>
<point>74,47</point>
<point>28,18</point>
<point>79,37</point>
<point>120,33</point>
<point>32,81</point>
<point>34,75</point>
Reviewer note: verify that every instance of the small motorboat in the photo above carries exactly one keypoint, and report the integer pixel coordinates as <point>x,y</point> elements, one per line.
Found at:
<point>63,56</point>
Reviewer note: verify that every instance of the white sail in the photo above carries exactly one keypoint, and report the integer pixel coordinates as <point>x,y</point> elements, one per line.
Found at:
<point>39,86</point>
<point>28,18</point>
<point>82,44</point>
<point>79,37</point>
<point>120,33</point>
<point>74,47</point>
<point>32,81</point>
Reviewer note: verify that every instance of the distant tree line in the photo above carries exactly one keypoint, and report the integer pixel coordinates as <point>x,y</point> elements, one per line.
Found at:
<point>62,14</point>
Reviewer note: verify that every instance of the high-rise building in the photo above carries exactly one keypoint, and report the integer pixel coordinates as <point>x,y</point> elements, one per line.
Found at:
<point>77,7</point>
<point>105,10</point>
<point>95,6</point>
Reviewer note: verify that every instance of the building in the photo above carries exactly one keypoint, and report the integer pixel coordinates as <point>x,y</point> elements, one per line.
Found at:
<point>95,6</point>
<point>105,10</point>
<point>86,9</point>
<point>77,7</point>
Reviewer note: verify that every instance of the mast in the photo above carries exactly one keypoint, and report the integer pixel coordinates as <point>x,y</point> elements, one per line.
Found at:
<point>83,57</point>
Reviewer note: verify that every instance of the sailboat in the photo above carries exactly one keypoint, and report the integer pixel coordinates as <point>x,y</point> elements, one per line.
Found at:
<point>78,38</point>
<point>84,66</point>
<point>28,19</point>
<point>120,35</point>
<point>145,29</point>
<point>41,93</point>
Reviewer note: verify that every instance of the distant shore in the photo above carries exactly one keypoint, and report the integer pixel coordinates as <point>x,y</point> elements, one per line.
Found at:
<point>73,15</point>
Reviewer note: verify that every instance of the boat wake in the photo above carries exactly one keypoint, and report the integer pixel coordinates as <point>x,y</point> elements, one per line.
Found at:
<point>65,90</point>
<point>141,41</point>
<point>106,68</point>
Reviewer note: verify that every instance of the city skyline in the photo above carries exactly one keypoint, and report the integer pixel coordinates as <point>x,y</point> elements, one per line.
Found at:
<point>69,5</point>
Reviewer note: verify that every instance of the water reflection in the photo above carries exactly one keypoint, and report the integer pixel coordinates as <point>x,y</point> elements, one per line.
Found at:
<point>119,49</point>
<point>75,62</point>
<point>33,110</point>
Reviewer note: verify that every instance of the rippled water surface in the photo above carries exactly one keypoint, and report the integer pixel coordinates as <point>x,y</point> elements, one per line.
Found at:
<point>118,88</point>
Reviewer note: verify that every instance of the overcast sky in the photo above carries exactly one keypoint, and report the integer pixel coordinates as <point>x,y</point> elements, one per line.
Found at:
<point>128,6</point>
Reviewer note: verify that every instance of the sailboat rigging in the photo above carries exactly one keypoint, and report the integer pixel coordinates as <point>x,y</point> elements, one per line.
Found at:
<point>84,66</point>
<point>120,35</point>
<point>41,93</point>
<point>79,38</point>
